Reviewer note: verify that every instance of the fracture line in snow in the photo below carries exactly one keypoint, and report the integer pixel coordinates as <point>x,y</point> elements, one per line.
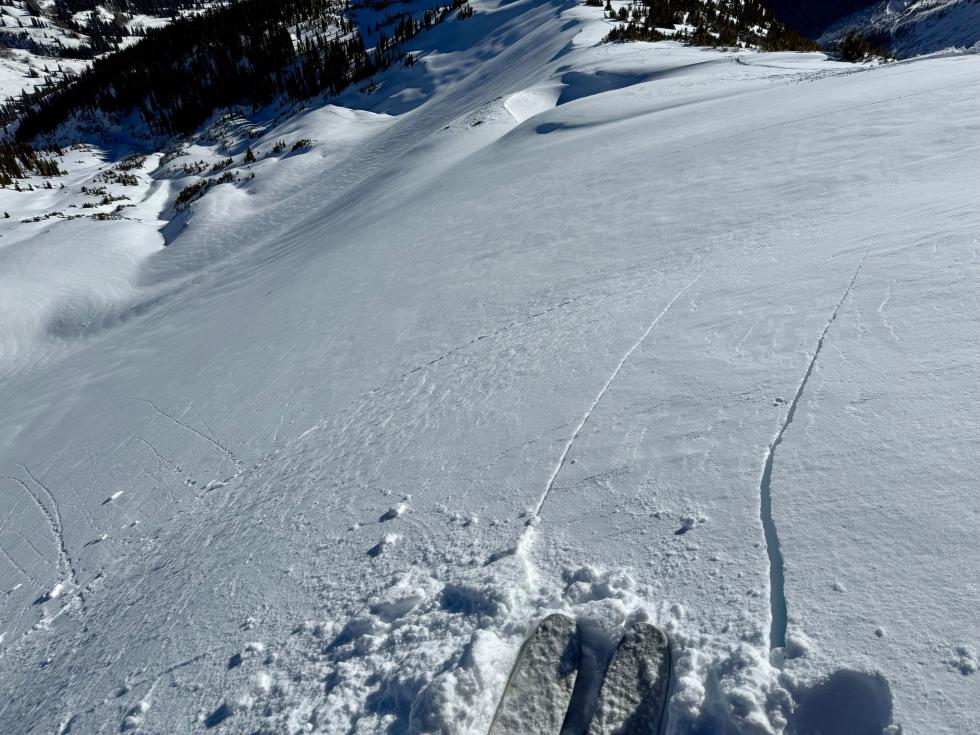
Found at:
<point>777,591</point>
<point>588,412</point>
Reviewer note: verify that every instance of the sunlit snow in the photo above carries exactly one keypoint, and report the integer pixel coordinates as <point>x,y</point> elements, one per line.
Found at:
<point>540,325</point>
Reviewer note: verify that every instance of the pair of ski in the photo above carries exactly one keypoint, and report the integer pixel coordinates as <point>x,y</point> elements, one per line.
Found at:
<point>538,693</point>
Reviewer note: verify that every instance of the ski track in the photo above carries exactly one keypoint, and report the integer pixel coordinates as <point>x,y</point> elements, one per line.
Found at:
<point>163,460</point>
<point>777,592</point>
<point>10,515</point>
<point>217,445</point>
<point>588,412</point>
<point>66,566</point>
<point>150,477</point>
<point>30,577</point>
<point>207,426</point>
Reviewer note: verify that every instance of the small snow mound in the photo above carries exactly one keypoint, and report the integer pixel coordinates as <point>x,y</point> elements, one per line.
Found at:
<point>747,693</point>
<point>137,713</point>
<point>798,644</point>
<point>587,584</point>
<point>457,699</point>
<point>406,594</point>
<point>359,633</point>
<point>690,521</point>
<point>262,683</point>
<point>964,660</point>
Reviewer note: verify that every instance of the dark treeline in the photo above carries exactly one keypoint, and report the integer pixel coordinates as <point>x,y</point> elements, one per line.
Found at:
<point>242,53</point>
<point>95,32</point>
<point>855,47</point>
<point>727,23</point>
<point>16,159</point>
<point>143,7</point>
<point>812,17</point>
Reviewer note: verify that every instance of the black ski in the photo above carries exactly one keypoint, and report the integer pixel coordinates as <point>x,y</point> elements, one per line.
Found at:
<point>540,685</point>
<point>634,691</point>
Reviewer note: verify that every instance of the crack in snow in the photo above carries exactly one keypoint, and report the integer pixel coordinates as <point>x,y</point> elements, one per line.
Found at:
<point>777,592</point>
<point>588,412</point>
<point>880,311</point>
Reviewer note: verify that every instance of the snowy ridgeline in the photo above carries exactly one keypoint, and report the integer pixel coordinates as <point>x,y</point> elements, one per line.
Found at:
<point>629,332</point>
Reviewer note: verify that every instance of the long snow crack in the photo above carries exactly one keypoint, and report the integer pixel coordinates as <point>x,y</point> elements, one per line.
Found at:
<point>777,591</point>
<point>588,412</point>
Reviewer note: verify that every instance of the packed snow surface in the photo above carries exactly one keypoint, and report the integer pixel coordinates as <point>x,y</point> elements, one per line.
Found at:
<point>628,332</point>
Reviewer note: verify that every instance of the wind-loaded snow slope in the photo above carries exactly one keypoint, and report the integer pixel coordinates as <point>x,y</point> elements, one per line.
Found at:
<point>551,327</point>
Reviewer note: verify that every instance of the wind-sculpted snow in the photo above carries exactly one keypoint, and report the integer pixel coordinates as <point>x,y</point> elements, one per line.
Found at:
<point>514,343</point>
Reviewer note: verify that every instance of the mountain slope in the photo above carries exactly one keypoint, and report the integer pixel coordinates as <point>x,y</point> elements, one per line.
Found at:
<point>517,332</point>
<point>914,27</point>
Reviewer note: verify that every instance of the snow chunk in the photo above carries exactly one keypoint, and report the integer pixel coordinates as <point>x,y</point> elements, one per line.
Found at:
<point>407,593</point>
<point>137,713</point>
<point>393,512</point>
<point>384,544</point>
<point>459,698</point>
<point>964,660</point>
<point>798,644</point>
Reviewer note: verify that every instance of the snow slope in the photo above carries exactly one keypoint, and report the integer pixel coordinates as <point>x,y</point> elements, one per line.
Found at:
<point>538,326</point>
<point>914,27</point>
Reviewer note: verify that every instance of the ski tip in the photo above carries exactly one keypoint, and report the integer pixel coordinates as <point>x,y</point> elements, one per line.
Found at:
<point>633,695</point>
<point>540,686</point>
<point>649,632</point>
<point>557,621</point>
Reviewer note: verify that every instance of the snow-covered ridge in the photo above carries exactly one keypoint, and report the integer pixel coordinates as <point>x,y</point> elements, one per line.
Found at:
<point>533,325</point>
<point>915,27</point>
